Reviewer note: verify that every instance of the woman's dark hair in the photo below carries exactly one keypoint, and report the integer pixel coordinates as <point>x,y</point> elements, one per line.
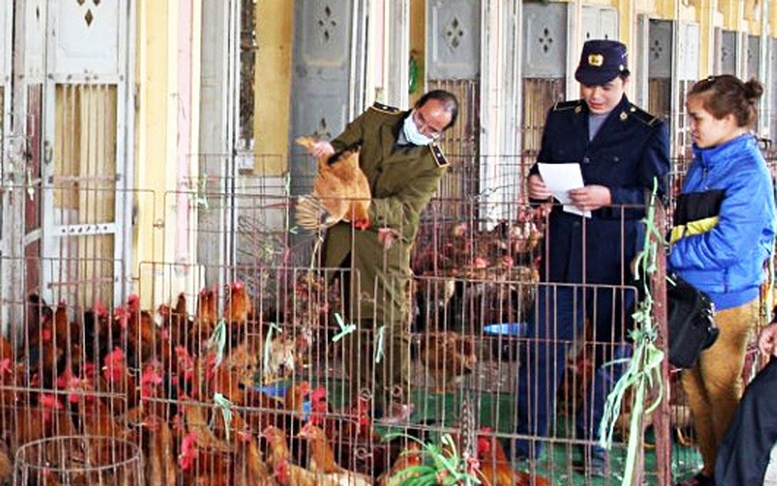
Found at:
<point>448,100</point>
<point>726,94</point>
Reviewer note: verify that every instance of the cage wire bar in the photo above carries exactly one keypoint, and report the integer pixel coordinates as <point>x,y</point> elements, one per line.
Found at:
<point>144,368</point>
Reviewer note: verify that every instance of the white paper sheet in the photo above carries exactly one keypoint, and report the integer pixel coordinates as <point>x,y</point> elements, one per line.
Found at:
<point>560,179</point>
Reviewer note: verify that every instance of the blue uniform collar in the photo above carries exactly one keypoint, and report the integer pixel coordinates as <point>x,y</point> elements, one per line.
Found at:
<point>708,156</point>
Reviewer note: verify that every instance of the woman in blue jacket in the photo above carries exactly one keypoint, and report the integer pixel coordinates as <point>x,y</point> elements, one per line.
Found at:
<point>723,233</point>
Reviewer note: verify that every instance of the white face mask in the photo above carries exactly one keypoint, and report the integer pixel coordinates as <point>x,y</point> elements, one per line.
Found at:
<point>413,135</point>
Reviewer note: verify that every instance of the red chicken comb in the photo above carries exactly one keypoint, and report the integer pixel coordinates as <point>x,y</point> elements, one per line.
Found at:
<point>100,309</point>
<point>318,394</point>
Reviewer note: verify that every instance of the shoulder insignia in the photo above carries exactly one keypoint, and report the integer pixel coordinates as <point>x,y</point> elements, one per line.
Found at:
<point>439,157</point>
<point>640,115</point>
<point>385,108</point>
<point>576,105</point>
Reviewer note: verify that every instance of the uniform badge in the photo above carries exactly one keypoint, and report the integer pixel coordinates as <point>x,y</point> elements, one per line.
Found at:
<point>595,60</point>
<point>578,109</point>
<point>624,115</point>
<point>439,157</point>
<point>385,108</point>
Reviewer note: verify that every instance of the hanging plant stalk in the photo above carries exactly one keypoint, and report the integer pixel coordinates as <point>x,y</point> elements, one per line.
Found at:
<point>643,373</point>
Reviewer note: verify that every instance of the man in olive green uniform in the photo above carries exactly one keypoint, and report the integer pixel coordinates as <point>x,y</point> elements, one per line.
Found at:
<point>403,164</point>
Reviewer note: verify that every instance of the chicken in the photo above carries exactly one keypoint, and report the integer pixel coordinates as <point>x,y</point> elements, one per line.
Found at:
<point>160,466</point>
<point>495,467</point>
<point>280,360</point>
<point>6,467</point>
<point>230,381</point>
<point>239,305</point>
<point>6,350</point>
<point>295,397</point>
<point>279,459</point>
<point>357,446</point>
<point>286,473</point>
<point>410,457</point>
<point>197,426</point>
<point>98,421</point>
<point>176,322</point>
<point>203,466</point>
<point>7,397</point>
<point>38,313</point>
<point>250,470</point>
<point>101,333</point>
<point>143,340</point>
<point>50,348</point>
<point>33,422</point>
<point>340,188</point>
<point>447,356</point>
<point>322,458</point>
<point>205,319</point>
<point>119,381</point>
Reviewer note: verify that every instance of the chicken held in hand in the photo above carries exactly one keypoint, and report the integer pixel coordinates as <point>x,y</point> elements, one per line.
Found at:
<point>340,189</point>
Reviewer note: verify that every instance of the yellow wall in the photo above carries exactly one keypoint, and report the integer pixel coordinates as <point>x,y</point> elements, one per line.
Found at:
<point>152,134</point>
<point>418,43</point>
<point>161,164</point>
<point>274,19</point>
<point>773,17</point>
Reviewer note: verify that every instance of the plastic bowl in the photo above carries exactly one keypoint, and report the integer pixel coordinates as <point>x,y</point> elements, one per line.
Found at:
<point>279,391</point>
<point>510,329</point>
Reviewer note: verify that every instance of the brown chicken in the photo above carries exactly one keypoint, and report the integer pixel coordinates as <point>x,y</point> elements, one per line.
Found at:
<point>447,356</point>
<point>279,459</point>
<point>322,458</point>
<point>410,457</point>
<point>6,466</point>
<point>340,189</point>
<point>295,396</point>
<point>143,339</point>
<point>205,319</point>
<point>159,456</point>
<point>238,314</point>
<point>249,468</point>
<point>288,473</point>
<point>98,421</point>
<point>175,320</point>
<point>6,350</point>
<point>203,466</point>
<point>495,467</point>
<point>118,381</point>
<point>51,349</point>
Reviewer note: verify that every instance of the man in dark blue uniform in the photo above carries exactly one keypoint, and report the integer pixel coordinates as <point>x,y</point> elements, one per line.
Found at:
<point>620,150</point>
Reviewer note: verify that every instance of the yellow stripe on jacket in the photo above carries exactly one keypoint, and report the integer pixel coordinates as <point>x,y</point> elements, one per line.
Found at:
<point>692,228</point>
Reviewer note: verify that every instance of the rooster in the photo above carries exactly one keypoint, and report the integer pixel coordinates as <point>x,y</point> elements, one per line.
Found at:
<point>495,467</point>
<point>340,188</point>
<point>447,356</point>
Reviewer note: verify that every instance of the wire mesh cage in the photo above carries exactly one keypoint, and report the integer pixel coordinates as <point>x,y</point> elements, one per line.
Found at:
<point>80,460</point>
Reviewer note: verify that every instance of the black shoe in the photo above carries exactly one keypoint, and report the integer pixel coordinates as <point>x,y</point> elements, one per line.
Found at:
<point>698,480</point>
<point>591,462</point>
<point>590,467</point>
